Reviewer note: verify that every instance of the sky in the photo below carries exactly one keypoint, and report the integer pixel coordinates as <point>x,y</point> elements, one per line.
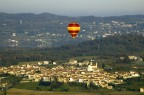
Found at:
<point>74,7</point>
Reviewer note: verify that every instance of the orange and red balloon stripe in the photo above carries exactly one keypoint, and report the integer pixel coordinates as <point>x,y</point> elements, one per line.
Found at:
<point>73,29</point>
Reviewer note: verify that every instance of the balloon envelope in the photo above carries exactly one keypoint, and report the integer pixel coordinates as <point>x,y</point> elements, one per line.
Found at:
<point>73,29</point>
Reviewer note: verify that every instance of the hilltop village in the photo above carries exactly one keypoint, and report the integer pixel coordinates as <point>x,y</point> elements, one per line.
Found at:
<point>72,71</point>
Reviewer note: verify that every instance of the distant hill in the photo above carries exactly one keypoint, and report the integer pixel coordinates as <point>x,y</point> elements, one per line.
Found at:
<point>49,30</point>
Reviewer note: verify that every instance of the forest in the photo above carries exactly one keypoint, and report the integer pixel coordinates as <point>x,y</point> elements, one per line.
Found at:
<point>118,45</point>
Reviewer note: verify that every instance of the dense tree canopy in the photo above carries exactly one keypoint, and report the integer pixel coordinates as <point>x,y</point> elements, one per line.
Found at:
<point>112,45</point>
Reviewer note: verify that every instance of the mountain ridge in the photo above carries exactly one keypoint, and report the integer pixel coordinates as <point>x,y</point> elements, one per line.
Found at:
<point>50,30</point>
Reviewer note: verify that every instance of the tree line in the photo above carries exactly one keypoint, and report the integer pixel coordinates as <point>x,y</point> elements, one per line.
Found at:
<point>110,46</point>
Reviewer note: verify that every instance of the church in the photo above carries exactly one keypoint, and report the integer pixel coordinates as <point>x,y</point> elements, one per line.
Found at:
<point>92,67</point>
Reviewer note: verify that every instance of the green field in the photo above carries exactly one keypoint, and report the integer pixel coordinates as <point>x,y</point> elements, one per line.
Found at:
<point>31,89</point>
<point>15,91</point>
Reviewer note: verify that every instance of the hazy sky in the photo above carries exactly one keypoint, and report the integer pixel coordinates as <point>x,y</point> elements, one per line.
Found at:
<point>74,7</point>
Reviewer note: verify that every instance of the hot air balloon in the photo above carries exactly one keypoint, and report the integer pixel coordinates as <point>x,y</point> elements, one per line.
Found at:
<point>73,29</point>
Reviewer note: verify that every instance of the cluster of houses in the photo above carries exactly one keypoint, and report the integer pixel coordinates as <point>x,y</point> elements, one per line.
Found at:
<point>132,57</point>
<point>46,63</point>
<point>70,73</point>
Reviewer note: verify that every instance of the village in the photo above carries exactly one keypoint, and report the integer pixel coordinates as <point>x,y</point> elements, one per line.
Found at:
<point>86,72</point>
